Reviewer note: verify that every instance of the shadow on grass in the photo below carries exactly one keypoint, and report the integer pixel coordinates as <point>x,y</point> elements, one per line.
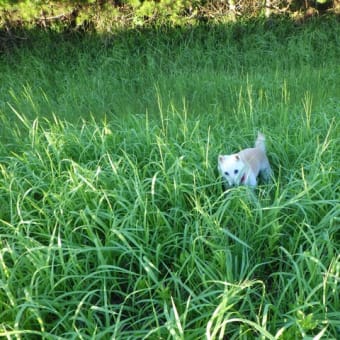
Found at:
<point>15,34</point>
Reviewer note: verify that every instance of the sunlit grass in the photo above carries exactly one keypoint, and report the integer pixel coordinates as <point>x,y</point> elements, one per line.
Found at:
<point>113,221</point>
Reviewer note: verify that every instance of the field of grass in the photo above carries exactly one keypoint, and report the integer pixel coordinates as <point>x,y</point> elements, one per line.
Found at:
<point>113,221</point>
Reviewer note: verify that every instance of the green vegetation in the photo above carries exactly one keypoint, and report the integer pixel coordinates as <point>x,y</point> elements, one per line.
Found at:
<point>103,15</point>
<point>113,222</point>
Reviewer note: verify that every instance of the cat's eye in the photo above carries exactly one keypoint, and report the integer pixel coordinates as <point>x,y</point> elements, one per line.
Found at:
<point>236,172</point>
<point>226,173</point>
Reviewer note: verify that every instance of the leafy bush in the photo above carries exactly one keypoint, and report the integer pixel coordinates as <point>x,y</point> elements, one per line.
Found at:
<point>104,15</point>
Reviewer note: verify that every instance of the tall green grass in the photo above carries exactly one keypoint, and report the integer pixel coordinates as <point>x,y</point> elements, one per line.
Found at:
<point>113,220</point>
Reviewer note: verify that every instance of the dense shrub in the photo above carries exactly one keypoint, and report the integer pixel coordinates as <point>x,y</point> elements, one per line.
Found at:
<point>104,14</point>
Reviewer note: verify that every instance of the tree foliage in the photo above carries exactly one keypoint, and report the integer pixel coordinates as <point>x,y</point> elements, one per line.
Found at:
<point>105,14</point>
